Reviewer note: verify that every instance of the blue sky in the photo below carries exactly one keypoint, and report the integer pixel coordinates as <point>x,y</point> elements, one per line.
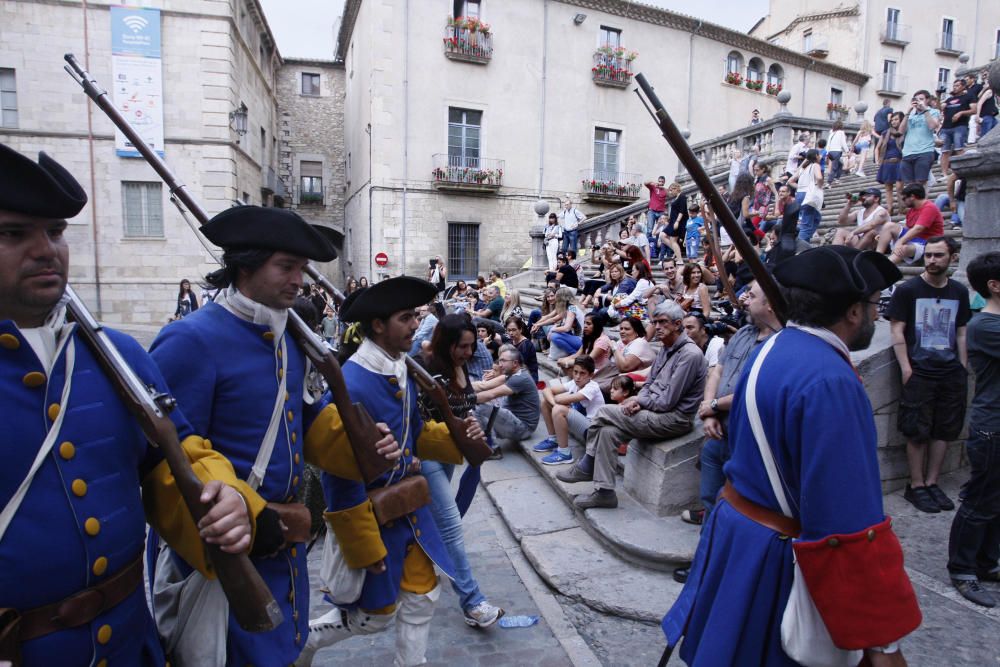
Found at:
<point>314,37</point>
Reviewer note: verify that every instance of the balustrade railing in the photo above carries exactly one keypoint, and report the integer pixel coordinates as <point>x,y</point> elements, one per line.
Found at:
<point>466,172</point>
<point>612,70</point>
<point>601,185</point>
<point>470,44</point>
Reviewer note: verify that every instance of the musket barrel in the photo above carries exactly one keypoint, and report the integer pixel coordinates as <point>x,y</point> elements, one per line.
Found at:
<point>700,177</point>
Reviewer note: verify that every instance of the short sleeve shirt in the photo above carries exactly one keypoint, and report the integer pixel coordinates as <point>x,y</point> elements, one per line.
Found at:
<point>524,401</point>
<point>927,216</point>
<point>640,348</point>
<point>593,398</point>
<point>919,138</point>
<point>713,350</point>
<point>954,105</point>
<point>932,315</point>
<point>657,198</point>
<point>983,336</point>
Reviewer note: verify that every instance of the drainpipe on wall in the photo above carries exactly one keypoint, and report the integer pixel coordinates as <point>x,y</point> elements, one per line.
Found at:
<point>371,192</point>
<point>93,178</point>
<point>406,128</point>
<point>691,71</point>
<point>864,40</point>
<point>541,114</point>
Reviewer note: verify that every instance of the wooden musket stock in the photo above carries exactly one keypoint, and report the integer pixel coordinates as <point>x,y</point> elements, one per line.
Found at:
<point>249,597</point>
<point>709,191</point>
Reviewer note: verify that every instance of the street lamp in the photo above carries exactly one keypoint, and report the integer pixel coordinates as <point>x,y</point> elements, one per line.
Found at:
<point>238,119</point>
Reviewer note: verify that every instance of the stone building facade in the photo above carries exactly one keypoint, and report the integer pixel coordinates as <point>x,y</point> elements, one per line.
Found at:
<point>130,246</point>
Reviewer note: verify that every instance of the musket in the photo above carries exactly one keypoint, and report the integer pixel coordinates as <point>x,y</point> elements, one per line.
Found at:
<point>358,424</point>
<point>711,194</point>
<point>713,246</point>
<point>249,597</point>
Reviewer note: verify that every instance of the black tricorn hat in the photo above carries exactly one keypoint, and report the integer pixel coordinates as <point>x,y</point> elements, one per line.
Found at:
<point>384,298</point>
<point>270,229</point>
<point>838,272</point>
<point>42,189</point>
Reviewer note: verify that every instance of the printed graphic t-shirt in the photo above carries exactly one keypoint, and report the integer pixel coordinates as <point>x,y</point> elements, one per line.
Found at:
<point>932,316</point>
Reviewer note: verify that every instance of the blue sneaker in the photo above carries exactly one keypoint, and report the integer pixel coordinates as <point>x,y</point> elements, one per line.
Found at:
<point>546,445</point>
<point>557,458</point>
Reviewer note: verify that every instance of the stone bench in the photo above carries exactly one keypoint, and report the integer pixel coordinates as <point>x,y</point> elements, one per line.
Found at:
<point>661,475</point>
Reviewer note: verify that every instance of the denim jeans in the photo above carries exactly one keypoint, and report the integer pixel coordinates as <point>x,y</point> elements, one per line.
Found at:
<point>652,217</point>
<point>989,122</point>
<point>974,544</point>
<point>449,524</point>
<point>714,454</point>
<point>569,241</point>
<point>809,219</point>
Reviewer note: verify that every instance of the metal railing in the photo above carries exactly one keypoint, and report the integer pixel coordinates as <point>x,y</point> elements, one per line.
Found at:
<point>465,44</point>
<point>465,170</point>
<point>890,82</point>
<point>302,197</point>
<point>950,43</point>
<point>610,183</point>
<point>895,33</point>
<point>612,70</point>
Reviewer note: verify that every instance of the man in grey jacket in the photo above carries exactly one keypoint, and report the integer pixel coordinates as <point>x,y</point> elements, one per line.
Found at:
<point>664,408</point>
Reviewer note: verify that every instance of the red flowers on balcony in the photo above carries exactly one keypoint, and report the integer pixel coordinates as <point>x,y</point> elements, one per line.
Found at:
<point>734,78</point>
<point>773,88</point>
<point>613,66</point>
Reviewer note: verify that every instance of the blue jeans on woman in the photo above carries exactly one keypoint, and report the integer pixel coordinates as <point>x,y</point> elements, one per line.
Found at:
<point>449,524</point>
<point>809,219</point>
<point>836,165</point>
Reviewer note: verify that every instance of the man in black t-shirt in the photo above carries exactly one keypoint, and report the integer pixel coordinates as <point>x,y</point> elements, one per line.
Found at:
<point>565,273</point>
<point>956,110</point>
<point>928,314</point>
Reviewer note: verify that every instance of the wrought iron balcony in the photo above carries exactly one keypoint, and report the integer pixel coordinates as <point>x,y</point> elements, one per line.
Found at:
<point>611,69</point>
<point>468,44</point>
<point>467,174</point>
<point>610,186</point>
<point>891,85</point>
<point>950,44</point>
<point>895,34</point>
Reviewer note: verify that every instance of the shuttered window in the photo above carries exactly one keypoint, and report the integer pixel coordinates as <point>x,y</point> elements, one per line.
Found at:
<point>142,209</point>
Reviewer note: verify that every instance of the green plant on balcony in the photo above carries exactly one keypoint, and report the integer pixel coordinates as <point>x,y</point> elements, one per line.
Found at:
<point>773,88</point>
<point>757,84</point>
<point>598,187</point>
<point>619,52</point>
<point>311,198</point>
<point>837,108</point>
<point>734,78</point>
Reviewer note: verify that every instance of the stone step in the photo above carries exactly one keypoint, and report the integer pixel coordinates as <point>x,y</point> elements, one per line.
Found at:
<point>566,556</point>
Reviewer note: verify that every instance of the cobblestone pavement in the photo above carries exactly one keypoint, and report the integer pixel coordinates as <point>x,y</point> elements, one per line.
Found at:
<point>452,642</point>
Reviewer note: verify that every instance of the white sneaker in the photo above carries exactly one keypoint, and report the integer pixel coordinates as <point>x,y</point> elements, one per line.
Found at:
<point>483,615</point>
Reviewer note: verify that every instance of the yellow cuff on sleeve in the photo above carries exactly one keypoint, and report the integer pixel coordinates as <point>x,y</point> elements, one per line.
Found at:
<point>327,445</point>
<point>357,534</point>
<point>168,514</point>
<point>435,444</point>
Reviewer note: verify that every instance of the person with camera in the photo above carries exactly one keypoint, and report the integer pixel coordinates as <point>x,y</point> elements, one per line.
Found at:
<point>869,219</point>
<point>888,153</point>
<point>959,107</point>
<point>918,128</point>
<point>809,180</point>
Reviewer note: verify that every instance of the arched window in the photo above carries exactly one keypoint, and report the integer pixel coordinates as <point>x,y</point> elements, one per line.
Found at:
<point>755,69</point>
<point>775,75</point>
<point>734,63</point>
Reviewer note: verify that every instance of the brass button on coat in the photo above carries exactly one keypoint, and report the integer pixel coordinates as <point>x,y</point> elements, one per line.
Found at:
<point>54,411</point>
<point>34,379</point>
<point>79,487</point>
<point>92,526</point>
<point>67,450</point>
<point>9,342</point>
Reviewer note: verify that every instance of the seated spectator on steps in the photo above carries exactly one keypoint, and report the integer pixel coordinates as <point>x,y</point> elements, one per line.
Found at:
<point>596,344</point>
<point>517,418</point>
<point>630,355</point>
<point>695,296</point>
<point>711,346</point>
<point>496,281</point>
<point>619,283</point>
<point>493,308</point>
<point>923,221</point>
<point>671,287</point>
<point>859,228</point>
<point>565,333</point>
<point>566,274</point>
<point>542,319</point>
<point>517,331</point>
<point>489,338</point>
<point>512,306</point>
<point>568,410</point>
<point>664,408</point>
<point>622,388</point>
<point>633,304</point>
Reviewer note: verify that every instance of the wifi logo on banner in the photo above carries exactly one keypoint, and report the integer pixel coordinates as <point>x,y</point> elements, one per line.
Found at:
<point>135,23</point>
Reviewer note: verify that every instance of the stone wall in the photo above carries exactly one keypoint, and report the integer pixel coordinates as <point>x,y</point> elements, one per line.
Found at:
<point>312,129</point>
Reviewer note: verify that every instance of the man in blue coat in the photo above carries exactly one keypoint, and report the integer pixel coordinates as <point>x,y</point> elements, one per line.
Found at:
<point>395,555</point>
<point>72,458</point>
<point>806,405</point>
<point>240,378</point>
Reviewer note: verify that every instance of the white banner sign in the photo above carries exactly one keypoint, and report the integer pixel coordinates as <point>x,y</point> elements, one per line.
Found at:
<point>137,74</point>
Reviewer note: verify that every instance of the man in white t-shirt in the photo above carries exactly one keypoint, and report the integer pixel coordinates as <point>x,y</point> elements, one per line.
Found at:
<point>868,219</point>
<point>711,346</point>
<point>568,409</point>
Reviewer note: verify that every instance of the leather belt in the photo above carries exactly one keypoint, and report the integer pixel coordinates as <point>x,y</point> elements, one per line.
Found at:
<point>777,522</point>
<point>82,607</point>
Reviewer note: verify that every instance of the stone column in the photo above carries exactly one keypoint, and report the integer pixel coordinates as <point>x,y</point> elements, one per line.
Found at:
<point>980,166</point>
<point>539,260</point>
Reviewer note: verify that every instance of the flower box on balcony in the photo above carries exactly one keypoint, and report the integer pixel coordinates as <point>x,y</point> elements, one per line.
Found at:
<point>773,88</point>
<point>468,40</point>
<point>460,178</point>
<point>614,188</point>
<point>310,198</point>
<point>757,85</point>
<point>613,66</point>
<point>734,78</point>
